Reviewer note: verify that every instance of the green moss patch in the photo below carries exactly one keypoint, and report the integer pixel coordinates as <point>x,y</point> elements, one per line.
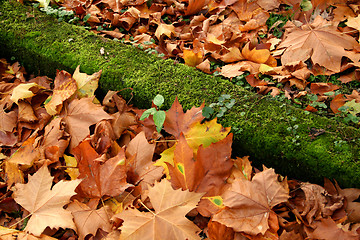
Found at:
<point>300,145</point>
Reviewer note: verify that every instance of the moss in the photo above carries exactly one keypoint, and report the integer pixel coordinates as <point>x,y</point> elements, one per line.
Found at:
<point>263,128</point>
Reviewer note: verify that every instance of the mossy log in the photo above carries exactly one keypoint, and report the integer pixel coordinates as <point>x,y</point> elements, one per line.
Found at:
<point>259,123</point>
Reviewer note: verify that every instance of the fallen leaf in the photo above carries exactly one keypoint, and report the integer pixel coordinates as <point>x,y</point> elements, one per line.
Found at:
<point>177,121</point>
<point>167,221</point>
<point>354,22</point>
<point>326,228</point>
<point>195,6</point>
<point>26,154</point>
<point>192,58</point>
<point>249,203</point>
<point>80,115</point>
<point>45,203</point>
<point>65,87</point>
<point>100,179</point>
<point>87,220</point>
<point>72,169</point>
<point>164,29</point>
<point>86,84</point>
<point>321,42</point>
<point>141,169</point>
<point>321,87</point>
<point>22,91</point>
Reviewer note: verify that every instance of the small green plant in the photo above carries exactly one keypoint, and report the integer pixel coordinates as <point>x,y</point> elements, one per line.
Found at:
<point>225,102</point>
<point>60,13</point>
<point>158,115</point>
<point>276,22</point>
<point>349,111</point>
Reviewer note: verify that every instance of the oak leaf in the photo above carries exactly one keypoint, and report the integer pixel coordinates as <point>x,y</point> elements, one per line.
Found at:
<point>168,221</point>
<point>249,203</point>
<point>44,203</point>
<point>88,220</point>
<point>321,42</point>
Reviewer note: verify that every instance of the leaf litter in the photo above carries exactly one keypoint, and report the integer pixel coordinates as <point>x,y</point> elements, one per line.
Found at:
<point>74,174</point>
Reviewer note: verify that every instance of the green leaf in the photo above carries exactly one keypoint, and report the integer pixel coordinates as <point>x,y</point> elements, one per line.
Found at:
<point>159,119</point>
<point>87,17</point>
<point>230,104</point>
<point>147,113</point>
<point>353,107</point>
<point>158,100</point>
<point>207,111</point>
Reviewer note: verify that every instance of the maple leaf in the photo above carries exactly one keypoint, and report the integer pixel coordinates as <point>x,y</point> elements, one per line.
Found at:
<point>141,167</point>
<point>164,29</point>
<point>26,154</point>
<point>207,173</point>
<point>65,87</point>
<point>100,179</point>
<point>199,134</point>
<point>81,114</point>
<point>320,41</point>
<point>326,228</point>
<point>249,203</point>
<point>86,84</point>
<point>88,220</point>
<point>177,121</point>
<point>44,203</point>
<point>168,221</point>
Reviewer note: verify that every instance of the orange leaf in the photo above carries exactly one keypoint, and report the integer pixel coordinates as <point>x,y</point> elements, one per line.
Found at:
<point>65,87</point>
<point>191,58</point>
<point>337,102</point>
<point>249,203</point>
<point>177,121</point>
<point>100,179</point>
<point>195,6</point>
<point>321,88</point>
